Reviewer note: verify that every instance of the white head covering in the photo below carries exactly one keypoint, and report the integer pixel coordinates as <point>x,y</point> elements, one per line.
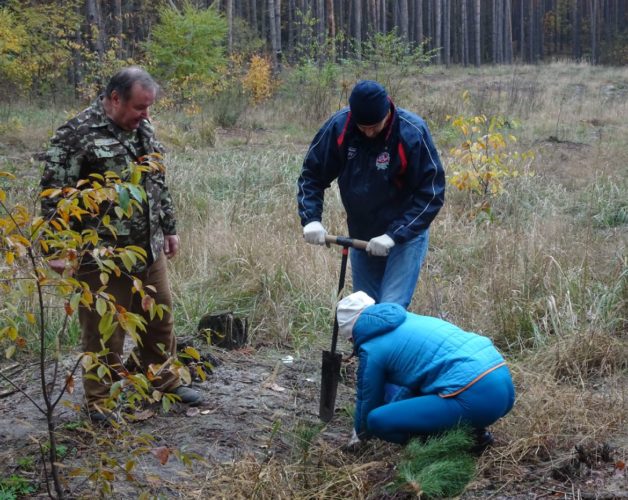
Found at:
<point>349,309</point>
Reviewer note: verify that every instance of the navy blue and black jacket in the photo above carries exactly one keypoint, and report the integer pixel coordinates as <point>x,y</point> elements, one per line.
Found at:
<point>393,184</point>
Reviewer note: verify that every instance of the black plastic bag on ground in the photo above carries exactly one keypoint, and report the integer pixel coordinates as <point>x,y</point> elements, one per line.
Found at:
<point>224,330</point>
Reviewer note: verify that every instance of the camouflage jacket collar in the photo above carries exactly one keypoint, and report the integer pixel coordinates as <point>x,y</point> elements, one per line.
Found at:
<point>145,132</point>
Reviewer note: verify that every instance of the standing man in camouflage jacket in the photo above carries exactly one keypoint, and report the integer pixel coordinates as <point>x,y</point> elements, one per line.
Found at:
<point>113,132</point>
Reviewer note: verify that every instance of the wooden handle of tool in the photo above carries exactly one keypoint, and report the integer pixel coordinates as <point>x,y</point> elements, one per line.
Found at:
<point>346,241</point>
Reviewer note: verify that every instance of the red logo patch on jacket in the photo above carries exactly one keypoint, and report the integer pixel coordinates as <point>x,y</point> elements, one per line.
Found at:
<point>382,161</point>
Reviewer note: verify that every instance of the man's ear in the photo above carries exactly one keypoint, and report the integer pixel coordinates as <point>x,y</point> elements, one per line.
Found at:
<point>115,98</point>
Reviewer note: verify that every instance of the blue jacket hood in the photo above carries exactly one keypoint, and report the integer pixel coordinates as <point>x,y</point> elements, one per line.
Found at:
<point>377,320</point>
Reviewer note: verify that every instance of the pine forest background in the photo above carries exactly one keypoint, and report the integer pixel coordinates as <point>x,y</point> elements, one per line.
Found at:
<point>47,45</point>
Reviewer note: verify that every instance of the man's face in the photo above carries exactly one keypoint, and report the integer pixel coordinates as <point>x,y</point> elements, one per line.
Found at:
<point>372,131</point>
<point>128,114</point>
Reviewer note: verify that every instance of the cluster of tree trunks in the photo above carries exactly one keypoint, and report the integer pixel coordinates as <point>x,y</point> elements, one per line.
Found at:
<point>459,31</point>
<point>468,32</point>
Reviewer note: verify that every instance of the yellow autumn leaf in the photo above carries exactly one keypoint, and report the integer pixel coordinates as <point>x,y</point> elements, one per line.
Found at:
<point>192,352</point>
<point>101,306</point>
<point>10,351</point>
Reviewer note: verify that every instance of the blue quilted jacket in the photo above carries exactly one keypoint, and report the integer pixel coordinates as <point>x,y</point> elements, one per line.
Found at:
<point>423,354</point>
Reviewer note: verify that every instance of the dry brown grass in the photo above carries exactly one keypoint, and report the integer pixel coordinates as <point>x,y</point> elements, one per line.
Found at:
<point>274,479</point>
<point>546,279</point>
<point>533,280</point>
<point>555,429</point>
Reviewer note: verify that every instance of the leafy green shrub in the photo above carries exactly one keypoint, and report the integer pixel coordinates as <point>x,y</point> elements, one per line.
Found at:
<point>13,37</point>
<point>14,487</point>
<point>188,43</point>
<point>35,45</point>
<point>27,246</point>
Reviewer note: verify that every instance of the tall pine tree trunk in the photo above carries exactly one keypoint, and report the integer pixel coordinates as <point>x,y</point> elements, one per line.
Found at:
<point>273,33</point>
<point>593,15</point>
<point>117,28</point>
<point>229,8</point>
<point>430,23</point>
<point>381,10</point>
<point>403,19</point>
<point>494,30</point>
<point>576,45</point>
<point>320,28</point>
<point>522,33</point>
<point>357,33</point>
<point>465,34</point>
<point>438,25</point>
<point>508,56</point>
<point>331,29</point>
<point>395,13</point>
<point>478,50</point>
<point>278,34</point>
<point>418,19</point>
<point>96,26</point>
<point>292,23</point>
<point>500,32</point>
<point>254,22</point>
<point>532,33</point>
<point>447,31</point>
<point>540,50</point>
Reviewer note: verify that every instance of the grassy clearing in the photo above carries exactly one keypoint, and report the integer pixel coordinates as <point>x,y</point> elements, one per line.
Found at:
<point>546,278</point>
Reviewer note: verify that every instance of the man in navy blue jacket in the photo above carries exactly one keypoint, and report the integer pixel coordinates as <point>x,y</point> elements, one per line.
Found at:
<point>392,185</point>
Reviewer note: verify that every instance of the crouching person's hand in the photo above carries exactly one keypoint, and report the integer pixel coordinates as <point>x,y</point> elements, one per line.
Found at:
<point>354,443</point>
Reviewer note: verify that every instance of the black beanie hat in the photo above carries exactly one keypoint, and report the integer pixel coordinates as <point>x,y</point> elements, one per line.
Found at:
<point>368,102</point>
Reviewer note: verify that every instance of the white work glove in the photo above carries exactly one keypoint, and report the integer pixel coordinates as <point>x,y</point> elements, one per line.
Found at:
<point>314,233</point>
<point>380,246</point>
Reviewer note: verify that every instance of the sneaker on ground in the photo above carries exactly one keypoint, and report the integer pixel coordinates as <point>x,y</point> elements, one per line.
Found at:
<point>104,418</point>
<point>483,439</point>
<point>188,395</point>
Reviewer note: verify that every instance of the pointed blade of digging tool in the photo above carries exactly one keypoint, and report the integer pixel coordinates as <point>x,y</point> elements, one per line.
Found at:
<point>330,375</point>
<point>330,370</point>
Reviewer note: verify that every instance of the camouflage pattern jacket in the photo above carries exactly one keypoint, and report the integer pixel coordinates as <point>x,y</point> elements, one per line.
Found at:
<point>91,143</point>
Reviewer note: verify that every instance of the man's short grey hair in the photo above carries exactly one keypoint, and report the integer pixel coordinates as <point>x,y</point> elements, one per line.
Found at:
<point>122,82</point>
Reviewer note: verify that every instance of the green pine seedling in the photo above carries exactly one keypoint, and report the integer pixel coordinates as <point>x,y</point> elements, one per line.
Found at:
<point>440,467</point>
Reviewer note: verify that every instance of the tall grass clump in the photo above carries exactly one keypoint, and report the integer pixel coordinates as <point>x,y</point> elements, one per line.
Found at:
<point>243,246</point>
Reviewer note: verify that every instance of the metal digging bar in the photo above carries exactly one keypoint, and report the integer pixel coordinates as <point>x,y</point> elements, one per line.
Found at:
<point>330,370</point>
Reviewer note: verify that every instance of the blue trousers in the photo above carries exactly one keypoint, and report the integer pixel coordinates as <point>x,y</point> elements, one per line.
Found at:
<point>482,404</point>
<point>392,278</point>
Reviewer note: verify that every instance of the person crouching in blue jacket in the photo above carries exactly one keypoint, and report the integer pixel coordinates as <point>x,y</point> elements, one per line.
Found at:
<point>443,376</point>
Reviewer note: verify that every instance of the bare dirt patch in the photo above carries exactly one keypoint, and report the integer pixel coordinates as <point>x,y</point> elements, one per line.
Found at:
<point>257,435</point>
